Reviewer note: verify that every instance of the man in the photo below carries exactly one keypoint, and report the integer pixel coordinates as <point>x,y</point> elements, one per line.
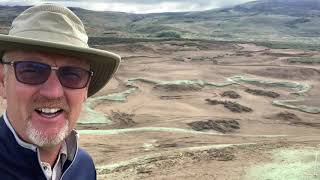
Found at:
<point>47,72</point>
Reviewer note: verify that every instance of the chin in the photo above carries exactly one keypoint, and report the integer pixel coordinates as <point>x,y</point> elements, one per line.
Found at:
<point>44,139</point>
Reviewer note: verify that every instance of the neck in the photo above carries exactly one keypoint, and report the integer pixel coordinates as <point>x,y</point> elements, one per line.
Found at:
<point>49,155</point>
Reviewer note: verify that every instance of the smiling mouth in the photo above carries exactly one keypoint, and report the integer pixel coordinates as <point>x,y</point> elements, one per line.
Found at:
<point>49,112</point>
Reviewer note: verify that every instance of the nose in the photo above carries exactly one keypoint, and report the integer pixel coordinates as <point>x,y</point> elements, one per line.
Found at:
<point>52,88</point>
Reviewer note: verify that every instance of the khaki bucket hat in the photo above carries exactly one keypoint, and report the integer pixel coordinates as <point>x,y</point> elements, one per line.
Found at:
<point>56,29</point>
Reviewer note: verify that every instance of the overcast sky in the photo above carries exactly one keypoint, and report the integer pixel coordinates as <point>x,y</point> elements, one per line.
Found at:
<point>136,6</point>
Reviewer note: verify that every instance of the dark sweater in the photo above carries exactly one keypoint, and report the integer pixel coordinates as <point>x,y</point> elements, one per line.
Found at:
<point>19,163</point>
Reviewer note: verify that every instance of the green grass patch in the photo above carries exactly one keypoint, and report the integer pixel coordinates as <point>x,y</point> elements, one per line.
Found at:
<point>303,108</point>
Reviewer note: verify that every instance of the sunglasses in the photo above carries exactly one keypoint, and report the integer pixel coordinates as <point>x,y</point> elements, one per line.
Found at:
<point>35,73</point>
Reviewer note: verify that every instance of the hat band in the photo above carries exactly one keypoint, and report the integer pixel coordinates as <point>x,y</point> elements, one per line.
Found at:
<point>51,37</point>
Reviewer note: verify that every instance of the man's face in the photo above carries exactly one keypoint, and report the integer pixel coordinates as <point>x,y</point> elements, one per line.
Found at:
<point>42,114</point>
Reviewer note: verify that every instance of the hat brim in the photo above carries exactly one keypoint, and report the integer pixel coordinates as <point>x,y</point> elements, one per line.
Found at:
<point>103,63</point>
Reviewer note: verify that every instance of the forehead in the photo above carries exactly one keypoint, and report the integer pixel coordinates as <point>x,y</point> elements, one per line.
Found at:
<point>45,57</point>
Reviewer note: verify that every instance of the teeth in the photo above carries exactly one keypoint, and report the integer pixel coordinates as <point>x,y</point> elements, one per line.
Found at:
<point>49,110</point>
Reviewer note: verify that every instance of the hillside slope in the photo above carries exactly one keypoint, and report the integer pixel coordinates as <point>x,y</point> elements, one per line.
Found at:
<point>284,21</point>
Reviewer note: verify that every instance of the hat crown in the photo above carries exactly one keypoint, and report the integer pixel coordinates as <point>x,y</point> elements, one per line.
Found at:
<point>50,23</point>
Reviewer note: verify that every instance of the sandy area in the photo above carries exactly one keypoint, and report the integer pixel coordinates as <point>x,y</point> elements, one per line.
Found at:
<point>151,143</point>
<point>151,136</point>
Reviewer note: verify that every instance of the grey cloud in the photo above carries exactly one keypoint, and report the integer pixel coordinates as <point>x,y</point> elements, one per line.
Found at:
<point>145,1</point>
<point>199,2</point>
<point>136,6</point>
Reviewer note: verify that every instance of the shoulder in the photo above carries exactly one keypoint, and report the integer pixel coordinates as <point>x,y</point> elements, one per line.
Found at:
<point>84,157</point>
<point>82,167</point>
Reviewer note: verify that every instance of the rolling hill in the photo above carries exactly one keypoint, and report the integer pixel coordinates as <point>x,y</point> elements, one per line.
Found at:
<point>292,22</point>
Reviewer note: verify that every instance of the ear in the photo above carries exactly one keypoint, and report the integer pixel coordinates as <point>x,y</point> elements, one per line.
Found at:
<point>2,82</point>
<point>85,96</point>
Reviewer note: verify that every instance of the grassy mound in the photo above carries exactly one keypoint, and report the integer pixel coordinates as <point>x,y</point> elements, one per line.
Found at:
<point>293,164</point>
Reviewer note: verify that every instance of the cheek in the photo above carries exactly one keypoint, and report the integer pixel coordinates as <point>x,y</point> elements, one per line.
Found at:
<point>19,99</point>
<point>75,100</point>
<point>19,95</point>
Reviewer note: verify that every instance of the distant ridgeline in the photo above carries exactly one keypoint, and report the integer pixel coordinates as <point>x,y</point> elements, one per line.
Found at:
<point>277,23</point>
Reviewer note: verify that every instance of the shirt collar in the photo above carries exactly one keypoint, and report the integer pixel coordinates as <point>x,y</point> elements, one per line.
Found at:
<point>68,148</point>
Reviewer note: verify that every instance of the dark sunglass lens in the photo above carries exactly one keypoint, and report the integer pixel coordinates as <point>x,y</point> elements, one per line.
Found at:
<point>31,72</point>
<point>73,77</point>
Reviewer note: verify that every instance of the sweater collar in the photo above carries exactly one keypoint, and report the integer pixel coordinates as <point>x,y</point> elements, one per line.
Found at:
<point>71,142</point>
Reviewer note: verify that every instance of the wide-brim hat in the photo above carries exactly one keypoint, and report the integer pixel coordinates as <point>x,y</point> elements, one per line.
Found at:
<point>56,29</point>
